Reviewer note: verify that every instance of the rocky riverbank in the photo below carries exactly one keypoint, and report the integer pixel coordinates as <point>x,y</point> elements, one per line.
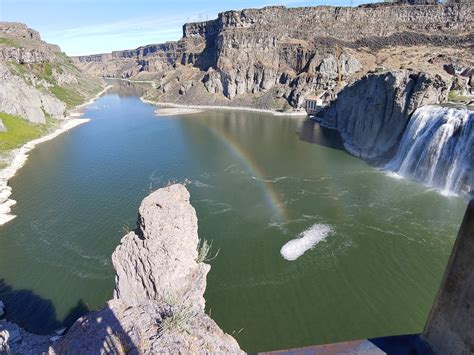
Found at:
<point>158,303</point>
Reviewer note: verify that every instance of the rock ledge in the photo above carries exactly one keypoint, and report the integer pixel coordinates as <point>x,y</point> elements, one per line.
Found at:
<point>158,304</point>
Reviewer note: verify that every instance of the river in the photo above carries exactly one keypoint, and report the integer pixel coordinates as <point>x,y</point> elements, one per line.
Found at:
<point>257,181</point>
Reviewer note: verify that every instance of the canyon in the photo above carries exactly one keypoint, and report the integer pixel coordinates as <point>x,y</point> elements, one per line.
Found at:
<point>275,57</point>
<point>375,65</point>
<point>385,70</point>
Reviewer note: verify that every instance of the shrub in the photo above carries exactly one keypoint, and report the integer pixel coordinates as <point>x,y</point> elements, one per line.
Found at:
<point>204,249</point>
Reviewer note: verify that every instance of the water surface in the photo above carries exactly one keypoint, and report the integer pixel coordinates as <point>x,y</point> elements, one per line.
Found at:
<point>257,182</point>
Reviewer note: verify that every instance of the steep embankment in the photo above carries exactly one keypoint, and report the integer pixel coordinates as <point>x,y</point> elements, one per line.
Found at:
<point>158,304</point>
<point>275,57</point>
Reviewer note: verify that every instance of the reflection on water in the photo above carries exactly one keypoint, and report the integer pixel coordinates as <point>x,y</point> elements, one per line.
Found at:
<point>256,184</point>
<point>127,88</point>
<point>312,132</point>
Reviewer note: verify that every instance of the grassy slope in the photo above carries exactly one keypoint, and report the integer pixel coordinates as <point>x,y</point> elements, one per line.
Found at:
<point>8,42</point>
<point>71,95</point>
<point>19,131</point>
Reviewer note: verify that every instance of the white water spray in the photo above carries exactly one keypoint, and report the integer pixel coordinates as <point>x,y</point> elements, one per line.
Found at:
<point>293,249</point>
<point>437,149</point>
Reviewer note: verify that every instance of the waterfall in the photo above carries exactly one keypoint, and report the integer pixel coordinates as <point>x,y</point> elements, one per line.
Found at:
<point>437,149</point>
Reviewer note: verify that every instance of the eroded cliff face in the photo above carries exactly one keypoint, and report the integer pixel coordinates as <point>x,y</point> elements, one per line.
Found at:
<point>372,114</point>
<point>279,55</point>
<point>158,303</point>
<point>37,80</point>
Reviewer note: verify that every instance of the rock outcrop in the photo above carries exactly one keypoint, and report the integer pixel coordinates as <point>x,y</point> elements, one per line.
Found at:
<point>277,55</point>
<point>37,81</point>
<point>158,304</point>
<point>19,98</point>
<point>372,114</point>
<point>2,129</point>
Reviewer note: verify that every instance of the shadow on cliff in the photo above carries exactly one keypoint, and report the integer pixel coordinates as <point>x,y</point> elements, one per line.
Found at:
<point>34,313</point>
<point>312,132</point>
<point>99,332</point>
<point>95,332</point>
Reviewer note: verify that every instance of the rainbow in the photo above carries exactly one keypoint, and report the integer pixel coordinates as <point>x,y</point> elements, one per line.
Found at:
<point>273,197</point>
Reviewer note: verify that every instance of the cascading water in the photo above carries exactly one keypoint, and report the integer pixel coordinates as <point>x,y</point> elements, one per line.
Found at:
<point>437,149</point>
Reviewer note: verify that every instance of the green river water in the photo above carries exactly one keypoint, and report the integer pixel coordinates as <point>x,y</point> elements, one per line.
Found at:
<point>257,181</point>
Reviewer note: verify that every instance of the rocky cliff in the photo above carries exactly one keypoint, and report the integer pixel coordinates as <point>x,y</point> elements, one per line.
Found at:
<point>276,56</point>
<point>372,114</point>
<point>38,81</point>
<point>158,303</point>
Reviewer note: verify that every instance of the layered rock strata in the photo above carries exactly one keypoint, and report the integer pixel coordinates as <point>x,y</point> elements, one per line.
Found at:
<point>276,55</point>
<point>158,303</point>
<point>38,81</point>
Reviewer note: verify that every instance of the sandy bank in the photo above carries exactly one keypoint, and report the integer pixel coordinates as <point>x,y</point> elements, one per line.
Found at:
<point>235,108</point>
<point>17,157</point>
<point>172,111</point>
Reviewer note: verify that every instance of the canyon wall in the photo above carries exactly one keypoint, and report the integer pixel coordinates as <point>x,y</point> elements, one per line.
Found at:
<point>158,303</point>
<point>372,113</point>
<point>38,82</point>
<point>275,56</point>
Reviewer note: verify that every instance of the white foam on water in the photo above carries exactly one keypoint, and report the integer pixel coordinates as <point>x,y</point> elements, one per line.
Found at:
<point>293,249</point>
<point>393,175</point>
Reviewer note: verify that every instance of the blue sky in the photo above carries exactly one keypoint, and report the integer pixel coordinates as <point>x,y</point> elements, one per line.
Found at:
<point>98,26</point>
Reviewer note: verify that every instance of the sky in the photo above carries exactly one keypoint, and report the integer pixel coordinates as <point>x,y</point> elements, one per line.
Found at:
<point>100,26</point>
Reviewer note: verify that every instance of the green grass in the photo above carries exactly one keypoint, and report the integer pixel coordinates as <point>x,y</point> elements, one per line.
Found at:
<point>204,251</point>
<point>454,96</point>
<point>17,68</point>
<point>48,70</point>
<point>19,132</point>
<point>8,42</point>
<point>70,97</point>
<point>41,71</point>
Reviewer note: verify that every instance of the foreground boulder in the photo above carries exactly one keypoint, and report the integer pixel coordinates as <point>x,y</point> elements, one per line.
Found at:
<point>372,114</point>
<point>158,304</point>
